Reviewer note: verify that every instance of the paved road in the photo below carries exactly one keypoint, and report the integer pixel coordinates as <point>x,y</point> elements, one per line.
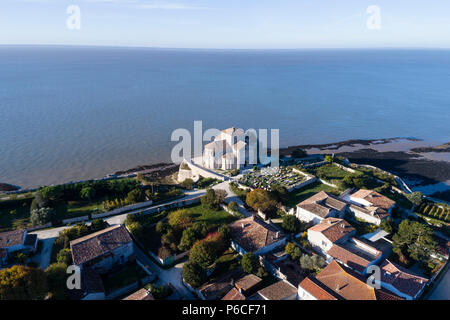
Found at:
<point>172,275</point>
<point>43,259</point>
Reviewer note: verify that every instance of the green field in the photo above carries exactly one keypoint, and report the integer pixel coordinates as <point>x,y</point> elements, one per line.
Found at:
<point>301,194</point>
<point>211,217</point>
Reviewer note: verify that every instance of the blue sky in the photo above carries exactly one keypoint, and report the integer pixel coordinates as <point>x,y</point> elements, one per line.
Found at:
<point>228,23</point>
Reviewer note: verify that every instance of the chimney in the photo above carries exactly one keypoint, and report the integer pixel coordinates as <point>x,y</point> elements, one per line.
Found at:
<point>343,226</point>
<point>329,222</point>
<point>277,235</point>
<point>242,225</point>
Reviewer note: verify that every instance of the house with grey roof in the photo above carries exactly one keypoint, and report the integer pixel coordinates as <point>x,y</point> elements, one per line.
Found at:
<point>104,249</point>
<point>16,241</point>
<point>320,206</point>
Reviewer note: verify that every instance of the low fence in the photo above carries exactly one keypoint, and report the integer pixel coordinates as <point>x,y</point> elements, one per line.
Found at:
<point>73,220</point>
<point>171,205</point>
<point>130,207</point>
<point>169,260</point>
<point>44,226</point>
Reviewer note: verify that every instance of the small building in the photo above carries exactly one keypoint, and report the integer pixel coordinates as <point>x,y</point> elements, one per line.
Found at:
<point>16,241</point>
<point>401,281</point>
<point>355,254</point>
<point>104,249</point>
<point>281,290</point>
<point>320,206</point>
<point>243,287</point>
<point>219,287</point>
<point>369,205</point>
<point>91,287</point>
<point>338,282</point>
<point>255,236</point>
<point>141,294</point>
<point>329,231</point>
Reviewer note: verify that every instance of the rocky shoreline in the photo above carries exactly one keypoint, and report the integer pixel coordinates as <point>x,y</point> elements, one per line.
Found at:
<point>404,157</point>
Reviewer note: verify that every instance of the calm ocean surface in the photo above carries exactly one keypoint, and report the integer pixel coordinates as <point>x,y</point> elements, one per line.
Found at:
<point>69,113</point>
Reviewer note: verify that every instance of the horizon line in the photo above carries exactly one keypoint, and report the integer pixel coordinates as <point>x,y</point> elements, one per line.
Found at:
<point>230,49</point>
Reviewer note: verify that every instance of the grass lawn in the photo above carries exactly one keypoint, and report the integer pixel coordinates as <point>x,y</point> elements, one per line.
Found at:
<point>15,214</point>
<point>124,277</point>
<point>301,194</point>
<point>227,262</point>
<point>331,172</point>
<point>210,217</point>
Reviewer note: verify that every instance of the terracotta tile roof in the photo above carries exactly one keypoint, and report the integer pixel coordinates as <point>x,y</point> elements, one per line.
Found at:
<point>253,234</point>
<point>248,282</point>
<point>278,291</point>
<point>401,279</point>
<point>350,286</point>
<point>99,243</point>
<point>12,238</point>
<point>317,289</point>
<point>333,228</point>
<point>349,258</point>
<point>142,294</point>
<point>376,199</point>
<point>234,294</point>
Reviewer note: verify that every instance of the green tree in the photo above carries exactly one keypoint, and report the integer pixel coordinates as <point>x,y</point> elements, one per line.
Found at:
<point>387,225</point>
<point>279,193</point>
<point>250,263</point>
<point>291,224</point>
<point>203,253</point>
<point>329,158</point>
<point>99,224</point>
<point>64,256</point>
<point>135,195</point>
<point>209,200</point>
<point>193,274</point>
<point>162,227</point>
<point>180,219</point>
<point>416,238</point>
<point>53,193</point>
<point>289,248</point>
<point>23,283</point>
<point>260,199</point>
<point>187,239</point>
<point>87,193</point>
<point>56,280</point>
<point>415,198</point>
<point>41,216</point>
<point>38,201</point>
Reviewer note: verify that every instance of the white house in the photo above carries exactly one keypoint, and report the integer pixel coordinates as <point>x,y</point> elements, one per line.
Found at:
<point>15,241</point>
<point>369,205</point>
<point>256,236</point>
<point>320,206</point>
<point>104,249</point>
<point>231,149</point>
<point>322,236</point>
<point>401,281</point>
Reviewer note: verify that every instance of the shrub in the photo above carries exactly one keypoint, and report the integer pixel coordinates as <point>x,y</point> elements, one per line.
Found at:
<point>64,256</point>
<point>41,216</point>
<point>250,263</point>
<point>23,283</point>
<point>203,253</point>
<point>291,224</point>
<point>193,274</point>
<point>180,219</point>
